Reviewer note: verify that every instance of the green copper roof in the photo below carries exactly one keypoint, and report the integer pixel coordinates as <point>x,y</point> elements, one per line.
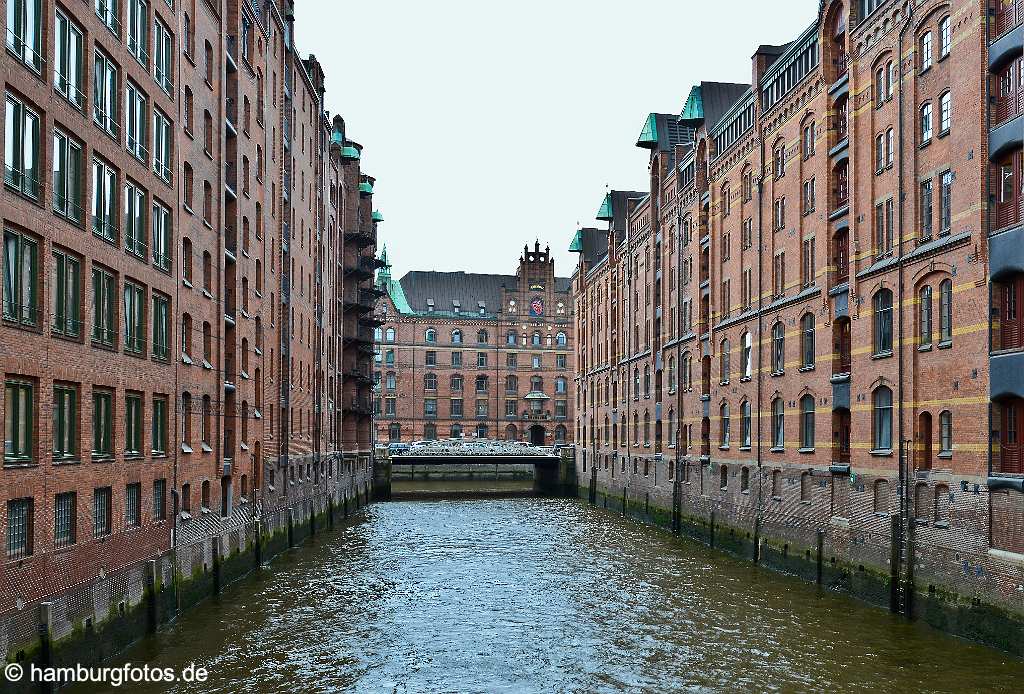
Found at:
<point>392,287</point>
<point>605,213</point>
<point>365,188</point>
<point>377,217</point>
<point>349,152</point>
<point>577,242</point>
<point>337,137</point>
<point>694,108</point>
<point>649,135</point>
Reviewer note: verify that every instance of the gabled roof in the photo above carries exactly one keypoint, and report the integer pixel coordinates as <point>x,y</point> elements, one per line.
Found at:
<point>717,98</point>
<point>663,131</point>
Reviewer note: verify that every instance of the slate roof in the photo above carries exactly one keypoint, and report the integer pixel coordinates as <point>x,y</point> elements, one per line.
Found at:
<point>468,288</point>
<point>718,97</point>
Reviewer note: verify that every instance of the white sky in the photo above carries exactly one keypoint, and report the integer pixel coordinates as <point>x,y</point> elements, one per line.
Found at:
<point>489,124</point>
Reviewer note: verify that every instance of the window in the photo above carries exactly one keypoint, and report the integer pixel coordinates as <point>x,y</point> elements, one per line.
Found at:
<point>19,421</point>
<point>136,117</point>
<point>745,424</point>
<point>808,198</point>
<point>104,201</point>
<point>101,509</point>
<point>807,340</point>
<point>21,278</point>
<point>779,214</point>
<point>807,422</point>
<point>561,386</point>
<point>456,407</point>
<point>162,139</point>
<point>65,422</point>
<point>134,324</point>
<point>67,176</point>
<point>67,59</point>
<point>163,56</point>
<point>456,337</point>
<point>945,113</point>
<point>926,51</point>
<point>778,348</point>
<point>133,505</point>
<point>162,236</point>
<point>65,517</point>
<point>882,418</point>
<point>21,148</point>
<point>430,335</point>
<point>945,311</point>
<point>481,337</point>
<point>945,37</point>
<point>20,514</point>
<point>137,19</point>
<point>808,262</point>
<point>457,359</point>
<point>880,86</point>
<point>159,499</point>
<point>884,227</point>
<point>778,423</point>
<point>946,203</point>
<point>561,361</point>
<point>133,424</point>
<point>879,153</point>
<point>134,219</point>
<point>924,320</point>
<point>104,94</point>
<point>430,407</point>
<point>746,355</point>
<point>24,32</point>
<point>779,274</point>
<point>809,136</point>
<point>102,423</point>
<point>430,382</point>
<point>535,340</point>
<point>945,432</point>
<point>481,408</point>
<point>882,302</point>
<point>389,335</point>
<point>723,426</point>
<point>890,146</point>
<point>510,337</point>
<point>186,111</point>
<point>926,123</point>
<point>779,160</point>
<point>723,364</point>
<point>926,209</point>
<point>158,428</point>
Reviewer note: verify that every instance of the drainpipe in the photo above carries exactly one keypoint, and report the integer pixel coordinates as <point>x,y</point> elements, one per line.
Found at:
<point>760,326</point>
<point>905,459</point>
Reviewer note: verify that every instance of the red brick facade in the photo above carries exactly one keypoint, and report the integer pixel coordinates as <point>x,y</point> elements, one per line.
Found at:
<point>209,328</point>
<point>475,356</point>
<point>794,321</point>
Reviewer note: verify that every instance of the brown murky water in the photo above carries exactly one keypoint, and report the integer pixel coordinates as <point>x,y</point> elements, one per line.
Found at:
<point>540,595</point>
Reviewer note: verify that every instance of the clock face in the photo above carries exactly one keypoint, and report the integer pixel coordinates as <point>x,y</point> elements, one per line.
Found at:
<point>536,306</point>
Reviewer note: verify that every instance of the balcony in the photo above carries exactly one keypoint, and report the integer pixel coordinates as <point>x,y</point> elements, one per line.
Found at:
<point>1007,106</point>
<point>359,238</point>
<point>362,268</point>
<point>1005,15</point>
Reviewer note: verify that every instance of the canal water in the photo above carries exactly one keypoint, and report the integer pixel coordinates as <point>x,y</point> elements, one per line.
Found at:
<point>547,595</point>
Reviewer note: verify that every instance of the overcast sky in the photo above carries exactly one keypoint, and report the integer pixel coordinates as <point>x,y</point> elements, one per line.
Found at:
<point>488,124</point>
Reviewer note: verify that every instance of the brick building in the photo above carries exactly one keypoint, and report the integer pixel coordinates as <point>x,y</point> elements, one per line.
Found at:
<point>182,223</point>
<point>472,355</point>
<point>810,321</point>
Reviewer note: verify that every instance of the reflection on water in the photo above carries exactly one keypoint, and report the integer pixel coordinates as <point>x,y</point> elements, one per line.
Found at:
<point>543,595</point>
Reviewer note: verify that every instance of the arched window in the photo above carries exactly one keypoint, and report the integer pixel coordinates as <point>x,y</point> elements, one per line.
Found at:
<point>430,335</point>
<point>636,382</point>
<point>430,381</point>
<point>511,384</point>
<point>636,429</point>
<point>926,50</point>
<point>945,432</point>
<point>882,418</point>
<point>456,337</point>
<point>807,340</point>
<point>924,316</point>
<point>671,373</point>
<point>560,434</point>
<point>687,371</point>
<point>430,431</point>
<point>946,311</point>
<point>747,355</point>
<point>647,428</point>
<point>647,381</point>
<point>723,361</point>
<point>456,431</point>
<point>535,339</point>
<point>882,304</point>
<point>561,386</point>
<point>778,423</point>
<point>745,424</point>
<point>778,348</point>
<point>561,340</point>
<point>945,113</point>
<point>510,337</point>
<point>807,422</point>
<point>186,260</point>
<point>723,425</point>
<point>537,384</point>
<point>455,383</point>
<point>481,337</point>
<point>926,123</point>
<point>378,334</point>
<point>389,335</point>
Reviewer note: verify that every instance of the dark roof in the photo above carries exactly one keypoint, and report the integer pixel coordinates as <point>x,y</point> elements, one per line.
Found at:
<point>468,288</point>
<point>595,244</point>
<point>620,211</point>
<point>718,98</point>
